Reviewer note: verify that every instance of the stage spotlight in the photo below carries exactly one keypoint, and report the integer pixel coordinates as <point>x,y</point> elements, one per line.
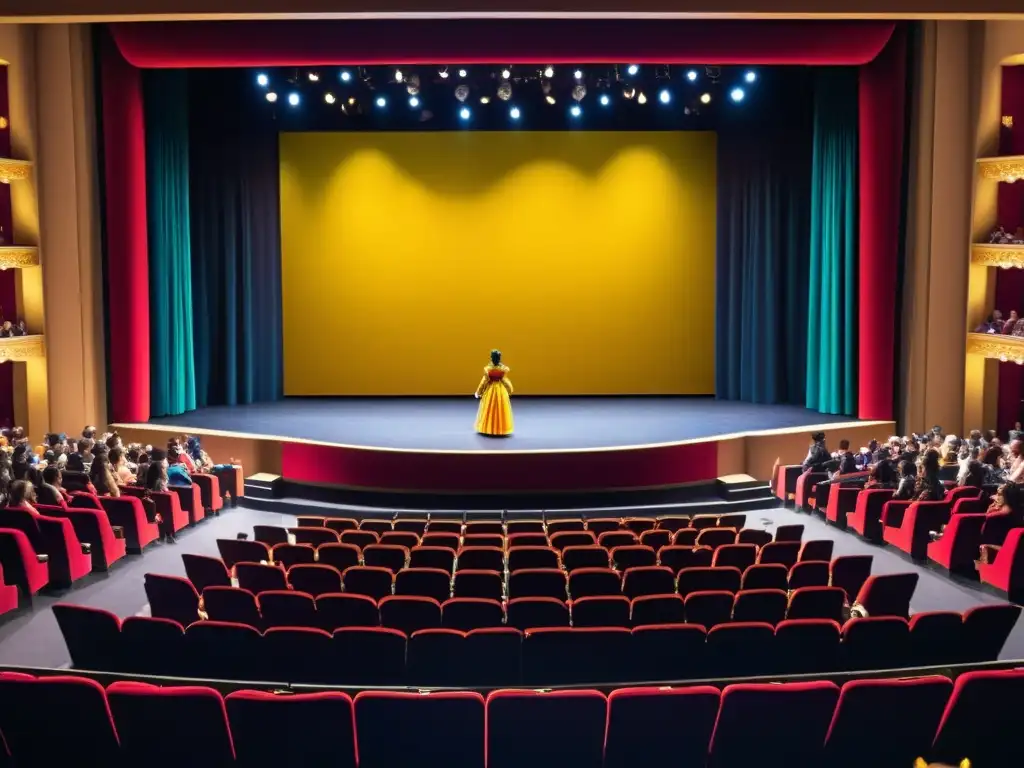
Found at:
<point>443,73</point>
<point>549,99</point>
<point>329,98</point>
<point>313,77</point>
<point>705,98</point>
<point>578,74</point>
<point>736,94</point>
<point>351,101</point>
<point>381,101</point>
<point>464,113</point>
<point>514,113</point>
<point>293,99</point>
<point>691,75</point>
<point>628,92</point>
<point>271,97</point>
<point>399,77</point>
<point>414,102</point>
<point>664,97</point>
<point>262,80</point>
<point>751,76</point>
<point>632,69</point>
<point>506,74</point>
<point>641,98</point>
<point>346,76</point>
<point>462,73</point>
<point>485,99</point>
<point>549,72</point>
<point>575,110</point>
<point>605,101</point>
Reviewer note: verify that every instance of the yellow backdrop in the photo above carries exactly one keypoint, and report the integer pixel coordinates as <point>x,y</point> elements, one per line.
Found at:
<point>588,258</point>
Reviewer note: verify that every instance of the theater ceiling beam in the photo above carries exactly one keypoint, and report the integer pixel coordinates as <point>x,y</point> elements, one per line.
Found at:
<point>167,10</point>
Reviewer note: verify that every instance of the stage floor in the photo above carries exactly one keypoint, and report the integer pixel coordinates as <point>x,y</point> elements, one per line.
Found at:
<point>541,423</point>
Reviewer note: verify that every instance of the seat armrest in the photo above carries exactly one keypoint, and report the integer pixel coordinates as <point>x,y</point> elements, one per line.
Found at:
<point>43,558</point>
<point>118,531</point>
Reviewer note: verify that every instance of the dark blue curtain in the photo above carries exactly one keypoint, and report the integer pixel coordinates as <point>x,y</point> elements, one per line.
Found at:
<point>236,258</point>
<point>832,294</point>
<point>172,388</point>
<point>764,174</point>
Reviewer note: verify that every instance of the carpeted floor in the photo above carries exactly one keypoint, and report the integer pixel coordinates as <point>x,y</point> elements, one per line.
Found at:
<point>542,423</point>
<point>32,638</point>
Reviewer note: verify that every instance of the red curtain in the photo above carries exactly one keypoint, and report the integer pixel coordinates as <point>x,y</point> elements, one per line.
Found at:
<point>127,312</point>
<point>507,41</point>
<point>881,97</point>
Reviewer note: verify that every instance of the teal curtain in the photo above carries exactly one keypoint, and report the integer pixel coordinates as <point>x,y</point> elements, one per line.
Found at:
<point>832,279</point>
<point>172,388</point>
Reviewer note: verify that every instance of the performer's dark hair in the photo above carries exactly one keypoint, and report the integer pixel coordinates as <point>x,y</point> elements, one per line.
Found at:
<point>495,357</point>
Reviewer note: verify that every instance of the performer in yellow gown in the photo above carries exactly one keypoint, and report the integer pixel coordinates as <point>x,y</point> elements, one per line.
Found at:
<point>495,415</point>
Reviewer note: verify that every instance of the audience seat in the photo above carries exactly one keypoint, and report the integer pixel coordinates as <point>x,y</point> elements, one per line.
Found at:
<point>591,582</point>
<point>524,526</point>
<point>818,550</point>
<point>639,524</point>
<point>880,642</point>
<point>370,655</point>
<point>484,540</point>
<point>1006,571</point>
<point>287,608</point>
<point>469,613</point>
<point>532,540</point>
<point>648,580</point>
<point>716,537</point>
<point>424,582</point>
<point>257,577</point>
<point>341,556</point>
<point>700,522</point>
<point>740,556</point>
<point>233,551</point>
<point>816,603</point>
<point>673,523</point>
<point>987,628</point>
<point>405,539</point>
<point>154,646</point>
<point>168,506</point>
<point>341,524</point>
<point>232,604</point>
<point>334,611</point>
<point>20,563</point>
<point>172,597</point>
<point>483,584</point>
<point>656,539</point>
<point>310,521</point>
<point>669,651</point>
<point>225,650</point>
<point>770,576</point>
<point>386,556</point>
<point>93,526</point>
<point>368,580</point>
<point>129,513</point>
<point>849,573</point>
<point>754,536</point>
<point>362,538</point>
<point>563,525</point>
<point>142,712</point>
<point>612,539</point>
<point>301,654</point>
<point>734,520</point>
<point>755,724</point>
<point>807,645</point>
<point>204,571</point>
<point>601,611</point>
<point>190,499</point>
<point>708,608</point>
<point>492,655</point>
<point>475,527</point>
<point>575,656</point>
<point>741,649</point>
<point>782,552</point>
<point>314,578</point>
<point>54,537</point>
<point>524,558</point>
<point>411,525</point>
<point>564,539</point>
<point>678,557</point>
<point>409,614</point>
<point>809,574</point>
<point>583,557</point>
<point>957,548</point>
<point>938,637</point>
<point>537,612</point>
<point>376,525</point>
<point>760,605</point>
<point>92,636</point>
<point>301,729</point>
<point>888,594</point>
<point>980,722</point>
<point>657,609</point>
<point>842,500</point>
<point>866,518</point>
<point>538,582</point>
<point>434,657</point>
<point>703,579</point>
<point>900,717</point>
<point>423,556</point>
<point>789,533</point>
<point>660,726</point>
<point>685,537</point>
<point>567,728</point>
<point>413,729</point>
<point>907,528</point>
<point>445,526</point>
<point>270,534</point>
<point>482,559</point>
<point>8,594</point>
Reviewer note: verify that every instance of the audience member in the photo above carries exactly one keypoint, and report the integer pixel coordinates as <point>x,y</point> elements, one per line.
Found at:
<point>51,492</point>
<point>102,477</point>
<point>928,486</point>
<point>1015,470</point>
<point>881,475</point>
<point>156,472</point>
<point>905,487</point>
<point>973,474</point>
<point>818,455</point>
<point>23,496</point>
<point>993,323</point>
<point>177,472</point>
<point>1016,433</point>
<point>122,474</point>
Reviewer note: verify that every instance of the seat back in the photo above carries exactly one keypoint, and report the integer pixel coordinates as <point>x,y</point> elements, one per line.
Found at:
<point>368,580</point>
<point>257,577</point>
<point>340,555</point>
<point>591,582</point>
<point>469,613</point>
<point>849,572</point>
<point>287,608</point>
<point>92,636</point>
<point>975,725</point>
<point>334,611</point>
<point>760,605</point>
<point>986,629</point>
<point>591,556</point>
<point>424,556</point>
<point>703,579</point>
<point>807,645</point>
<point>636,711</point>
<point>537,612</point>
<point>600,611</point>
<point>877,642</point>
<point>493,657</point>
<point>741,649</point>
<point>234,551</point>
<point>370,655</point>
<point>657,609</point>
<point>409,614</point>
<point>153,646</point>
<point>204,571</point>
<point>648,580</point>
<point>232,604</point>
<point>172,597</point>
<point>424,582</point>
<point>769,576</point>
<point>314,578</point>
<point>669,652</point>
<point>888,594</point>
<point>301,654</point>
<point>225,650</point>
<point>568,727</point>
<point>816,603</point>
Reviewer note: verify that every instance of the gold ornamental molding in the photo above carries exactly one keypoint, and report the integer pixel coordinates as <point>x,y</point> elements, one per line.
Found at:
<point>1008,169</point>
<point>18,348</point>
<point>994,255</point>
<point>996,346</point>
<point>18,256</point>
<point>13,170</point>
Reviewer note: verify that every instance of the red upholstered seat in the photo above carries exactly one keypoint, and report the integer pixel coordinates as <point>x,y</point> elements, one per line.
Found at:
<point>474,527</point>
<point>1006,570</point>
<point>482,559</point>
<point>409,614</point>
<point>204,571</point>
<point>93,526</point>
<point>964,492</point>
<point>129,513</point>
<point>809,574</point>
<point>986,629</point>
<point>411,525</point>
<point>55,537</point>
<point>314,578</point>
<point>172,597</point>
<point>733,520</point>
<point>287,608</point>
<point>152,646</point>
<point>339,555</point>
<point>424,582</point>
<point>20,562</point>
<point>634,713</point>
<point>538,582</point>
<point>434,657</point>
<point>386,556</point>
<point>28,708</point>
<point>257,577</point>
<point>334,611</point>
<point>977,722</point>
<point>232,604</point>
<point>423,556</point>
<point>740,556</point>
<point>270,534</point>
<point>468,613</point>
<point>881,642</point>
<point>377,525</point>
<point>816,603</point>
<point>591,556</point>
<point>781,552</point>
<point>639,524</point>
<point>602,611</point>
<point>938,637</point>
<point>563,539</point>
<point>92,636</point>
<point>234,551</point>
<point>657,609</point>
<point>362,538</point>
<point>492,655</point>
<point>483,540</point>
<point>794,532</point>
<point>716,537</point>
<point>685,537</point>
<point>849,573</point>
<point>741,649</point>
<point>907,529</point>
<point>368,580</point>
<point>753,536</point>
<point>785,480</point>
<point>142,711</point>
<point>302,654</point>
<point>533,539</point>
<point>708,608</point>
<point>656,539</point>
<point>901,716</point>
<point>867,513</point>
<point>310,521</point>
<point>524,526</point>
<point>807,645</point>
<point>522,558</point>
<point>612,539</point>
<point>190,499</point>
<point>567,656</point>
<point>669,651</point>
<point>441,728</point>
<point>445,526</point>
<point>405,539</point>
<point>673,523</point>
<point>563,525</point>
<point>888,594</point>
<point>700,522</point>
<point>485,584</point>
<point>264,725</point>
<point>842,499</point>
<point>341,524</point>
<point>804,486</point>
<point>770,576</point>
<point>8,594</point>
<point>753,717</point>
<point>537,612</point>
<point>568,726</point>
<point>168,506</point>
<point>702,579</point>
<point>647,580</point>
<point>759,605</point>
<point>818,550</point>
<point>676,558</point>
<point>373,655</point>
<point>590,582</point>
<point>957,548</point>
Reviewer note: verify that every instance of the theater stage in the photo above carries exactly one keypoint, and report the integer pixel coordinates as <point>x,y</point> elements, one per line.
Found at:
<point>560,443</point>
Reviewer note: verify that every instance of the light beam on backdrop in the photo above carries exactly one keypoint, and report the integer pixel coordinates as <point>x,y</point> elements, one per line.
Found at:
<point>329,98</point>
<point>381,101</point>
<point>736,94</point>
<point>632,69</point>
<point>262,80</point>
<point>346,76</point>
<point>271,97</point>
<point>293,99</point>
<point>414,102</point>
<point>664,97</point>
<point>751,76</point>
<point>691,75</point>
<point>549,72</point>
<point>464,113</point>
<point>514,113</point>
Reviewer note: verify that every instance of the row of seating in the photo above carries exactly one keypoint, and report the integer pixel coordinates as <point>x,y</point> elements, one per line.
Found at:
<point>507,656</point>
<point>866,722</point>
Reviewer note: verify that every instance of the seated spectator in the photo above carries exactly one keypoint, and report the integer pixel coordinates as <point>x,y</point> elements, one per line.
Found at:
<point>177,472</point>
<point>81,459</point>
<point>993,323</point>
<point>843,461</point>
<point>1016,433</point>
<point>156,472</point>
<point>972,474</point>
<point>51,492</point>
<point>949,454</point>
<point>200,458</point>
<point>23,496</point>
<point>975,440</point>
<point>1009,499</point>
<point>905,487</point>
<point>992,461</point>
<point>112,441</point>
<point>132,456</point>
<point>102,477</point>
<point>881,475</point>
<point>1015,472</point>
<point>817,455</point>
<point>928,486</point>
<point>1011,321</point>
<point>122,474</point>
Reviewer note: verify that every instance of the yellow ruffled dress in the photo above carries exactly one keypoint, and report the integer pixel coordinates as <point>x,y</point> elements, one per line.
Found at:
<point>495,415</point>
